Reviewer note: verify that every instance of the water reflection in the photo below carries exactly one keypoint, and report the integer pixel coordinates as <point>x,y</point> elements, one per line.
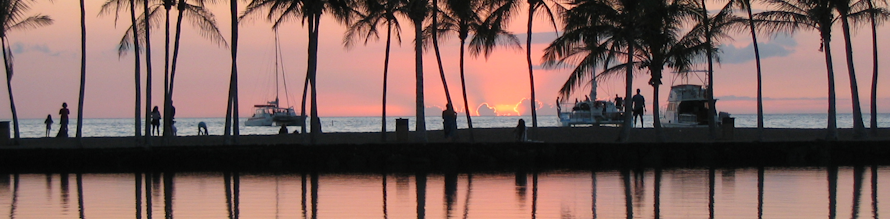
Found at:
<point>647,193</point>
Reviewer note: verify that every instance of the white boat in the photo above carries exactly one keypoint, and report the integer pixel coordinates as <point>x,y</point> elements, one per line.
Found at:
<point>688,107</point>
<point>588,112</point>
<point>271,113</point>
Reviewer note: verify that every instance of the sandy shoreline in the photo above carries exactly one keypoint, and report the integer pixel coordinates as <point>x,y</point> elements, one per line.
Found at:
<point>484,135</point>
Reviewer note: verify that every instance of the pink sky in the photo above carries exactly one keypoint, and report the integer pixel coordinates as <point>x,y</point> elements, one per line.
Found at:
<point>350,81</point>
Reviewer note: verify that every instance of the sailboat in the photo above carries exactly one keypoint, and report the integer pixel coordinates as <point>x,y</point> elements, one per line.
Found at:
<point>271,113</point>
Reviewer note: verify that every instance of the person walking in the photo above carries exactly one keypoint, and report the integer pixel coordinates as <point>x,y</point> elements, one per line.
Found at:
<point>49,124</point>
<point>639,108</point>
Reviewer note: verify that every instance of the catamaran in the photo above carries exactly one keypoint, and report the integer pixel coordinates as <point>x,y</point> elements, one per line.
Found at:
<point>271,113</point>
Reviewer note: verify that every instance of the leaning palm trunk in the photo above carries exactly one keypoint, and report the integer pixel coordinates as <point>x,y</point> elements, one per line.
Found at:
<point>137,68</point>
<point>312,71</point>
<point>858,126</point>
<point>759,75</point>
<point>15,118</point>
<point>531,71</point>
<point>463,86</point>
<point>873,125</point>
<point>420,123</point>
<point>435,39</point>
<point>303,104</point>
<point>385,75</point>
<point>831,132</point>
<point>83,72</point>
<point>168,104</point>
<point>148,77</point>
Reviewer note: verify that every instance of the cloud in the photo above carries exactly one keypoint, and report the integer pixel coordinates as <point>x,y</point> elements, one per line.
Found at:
<point>21,48</point>
<point>781,46</point>
<point>486,110</point>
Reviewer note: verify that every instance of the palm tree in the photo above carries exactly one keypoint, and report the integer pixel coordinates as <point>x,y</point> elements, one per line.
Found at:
<point>375,13</point>
<point>310,11</point>
<point>597,32</point>
<point>873,19</point>
<point>232,100</point>
<point>795,15</point>
<point>533,6</point>
<point>12,16</point>
<point>83,72</point>
<point>484,20</point>
<point>746,5</point>
<point>843,8</point>
<point>417,11</point>
<point>708,36</point>
<point>206,23</point>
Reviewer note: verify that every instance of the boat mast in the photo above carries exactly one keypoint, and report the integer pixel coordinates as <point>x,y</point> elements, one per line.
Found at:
<point>277,50</point>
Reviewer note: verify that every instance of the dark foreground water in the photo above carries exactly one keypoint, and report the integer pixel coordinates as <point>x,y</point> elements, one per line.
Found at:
<point>845,192</point>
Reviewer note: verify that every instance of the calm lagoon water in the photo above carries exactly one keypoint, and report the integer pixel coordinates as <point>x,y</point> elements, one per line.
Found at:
<point>843,192</point>
<point>34,128</point>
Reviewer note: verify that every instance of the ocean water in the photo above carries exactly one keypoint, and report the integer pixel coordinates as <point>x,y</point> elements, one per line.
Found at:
<point>34,128</point>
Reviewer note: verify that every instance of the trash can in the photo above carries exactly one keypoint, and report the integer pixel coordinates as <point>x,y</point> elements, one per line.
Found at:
<point>4,133</point>
<point>728,128</point>
<point>401,130</point>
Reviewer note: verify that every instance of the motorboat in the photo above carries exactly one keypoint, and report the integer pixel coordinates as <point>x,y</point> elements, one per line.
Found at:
<point>589,111</point>
<point>688,107</point>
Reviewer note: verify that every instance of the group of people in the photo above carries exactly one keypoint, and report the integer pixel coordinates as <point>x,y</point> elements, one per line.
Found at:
<point>63,122</point>
<point>638,106</point>
<point>155,122</point>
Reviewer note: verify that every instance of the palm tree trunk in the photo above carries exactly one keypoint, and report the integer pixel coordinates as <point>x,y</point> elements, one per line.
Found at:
<point>232,103</point>
<point>313,68</point>
<point>436,49</point>
<point>83,72</point>
<point>420,123</point>
<point>166,123</point>
<point>873,125</point>
<point>137,68</point>
<point>531,72</point>
<point>168,104</point>
<point>385,75</point>
<point>15,117</point>
<point>656,115</point>
<point>303,104</point>
<point>759,75</point>
<point>148,78</point>
<point>712,111</point>
<point>831,132</point>
<point>624,135</point>
<point>858,126</point>
<point>463,86</point>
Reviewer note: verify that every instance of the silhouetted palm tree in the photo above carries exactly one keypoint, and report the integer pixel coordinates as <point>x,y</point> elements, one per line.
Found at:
<point>232,100</point>
<point>795,15</point>
<point>746,5</point>
<point>597,32</point>
<point>873,23</point>
<point>417,11</point>
<point>83,72</point>
<point>843,7</point>
<point>705,22</point>
<point>712,30</point>
<point>373,14</point>
<point>485,21</point>
<point>310,11</point>
<point>12,16</point>
<point>533,6</point>
<point>203,20</point>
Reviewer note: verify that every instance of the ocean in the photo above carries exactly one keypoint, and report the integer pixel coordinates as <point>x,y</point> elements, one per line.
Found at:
<point>121,127</point>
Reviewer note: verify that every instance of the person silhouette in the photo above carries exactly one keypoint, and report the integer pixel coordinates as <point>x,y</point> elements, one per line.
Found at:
<point>619,102</point>
<point>155,121</point>
<point>49,124</point>
<point>63,121</point>
<point>202,128</point>
<point>639,108</point>
<point>449,122</point>
<point>520,131</point>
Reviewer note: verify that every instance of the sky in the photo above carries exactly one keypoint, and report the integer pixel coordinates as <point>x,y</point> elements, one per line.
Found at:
<point>47,72</point>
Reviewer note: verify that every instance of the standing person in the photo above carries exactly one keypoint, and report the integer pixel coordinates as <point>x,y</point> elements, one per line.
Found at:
<point>449,122</point>
<point>155,121</point>
<point>49,124</point>
<point>519,132</point>
<point>619,103</point>
<point>63,121</point>
<point>639,107</point>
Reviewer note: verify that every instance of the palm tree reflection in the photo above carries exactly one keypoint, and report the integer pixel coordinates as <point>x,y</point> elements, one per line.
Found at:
<point>874,190</point>
<point>469,189</point>
<point>760,175</point>
<point>628,199</point>
<point>657,201</point>
<point>79,181</point>
<point>15,195</point>
<point>168,195</point>
<point>858,175</point>
<point>385,216</point>
<point>832,192</point>
<point>420,180</point>
<point>521,187</point>
<point>450,193</point>
<point>711,181</point>
<point>593,193</point>
<point>232,182</point>
<point>138,188</point>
